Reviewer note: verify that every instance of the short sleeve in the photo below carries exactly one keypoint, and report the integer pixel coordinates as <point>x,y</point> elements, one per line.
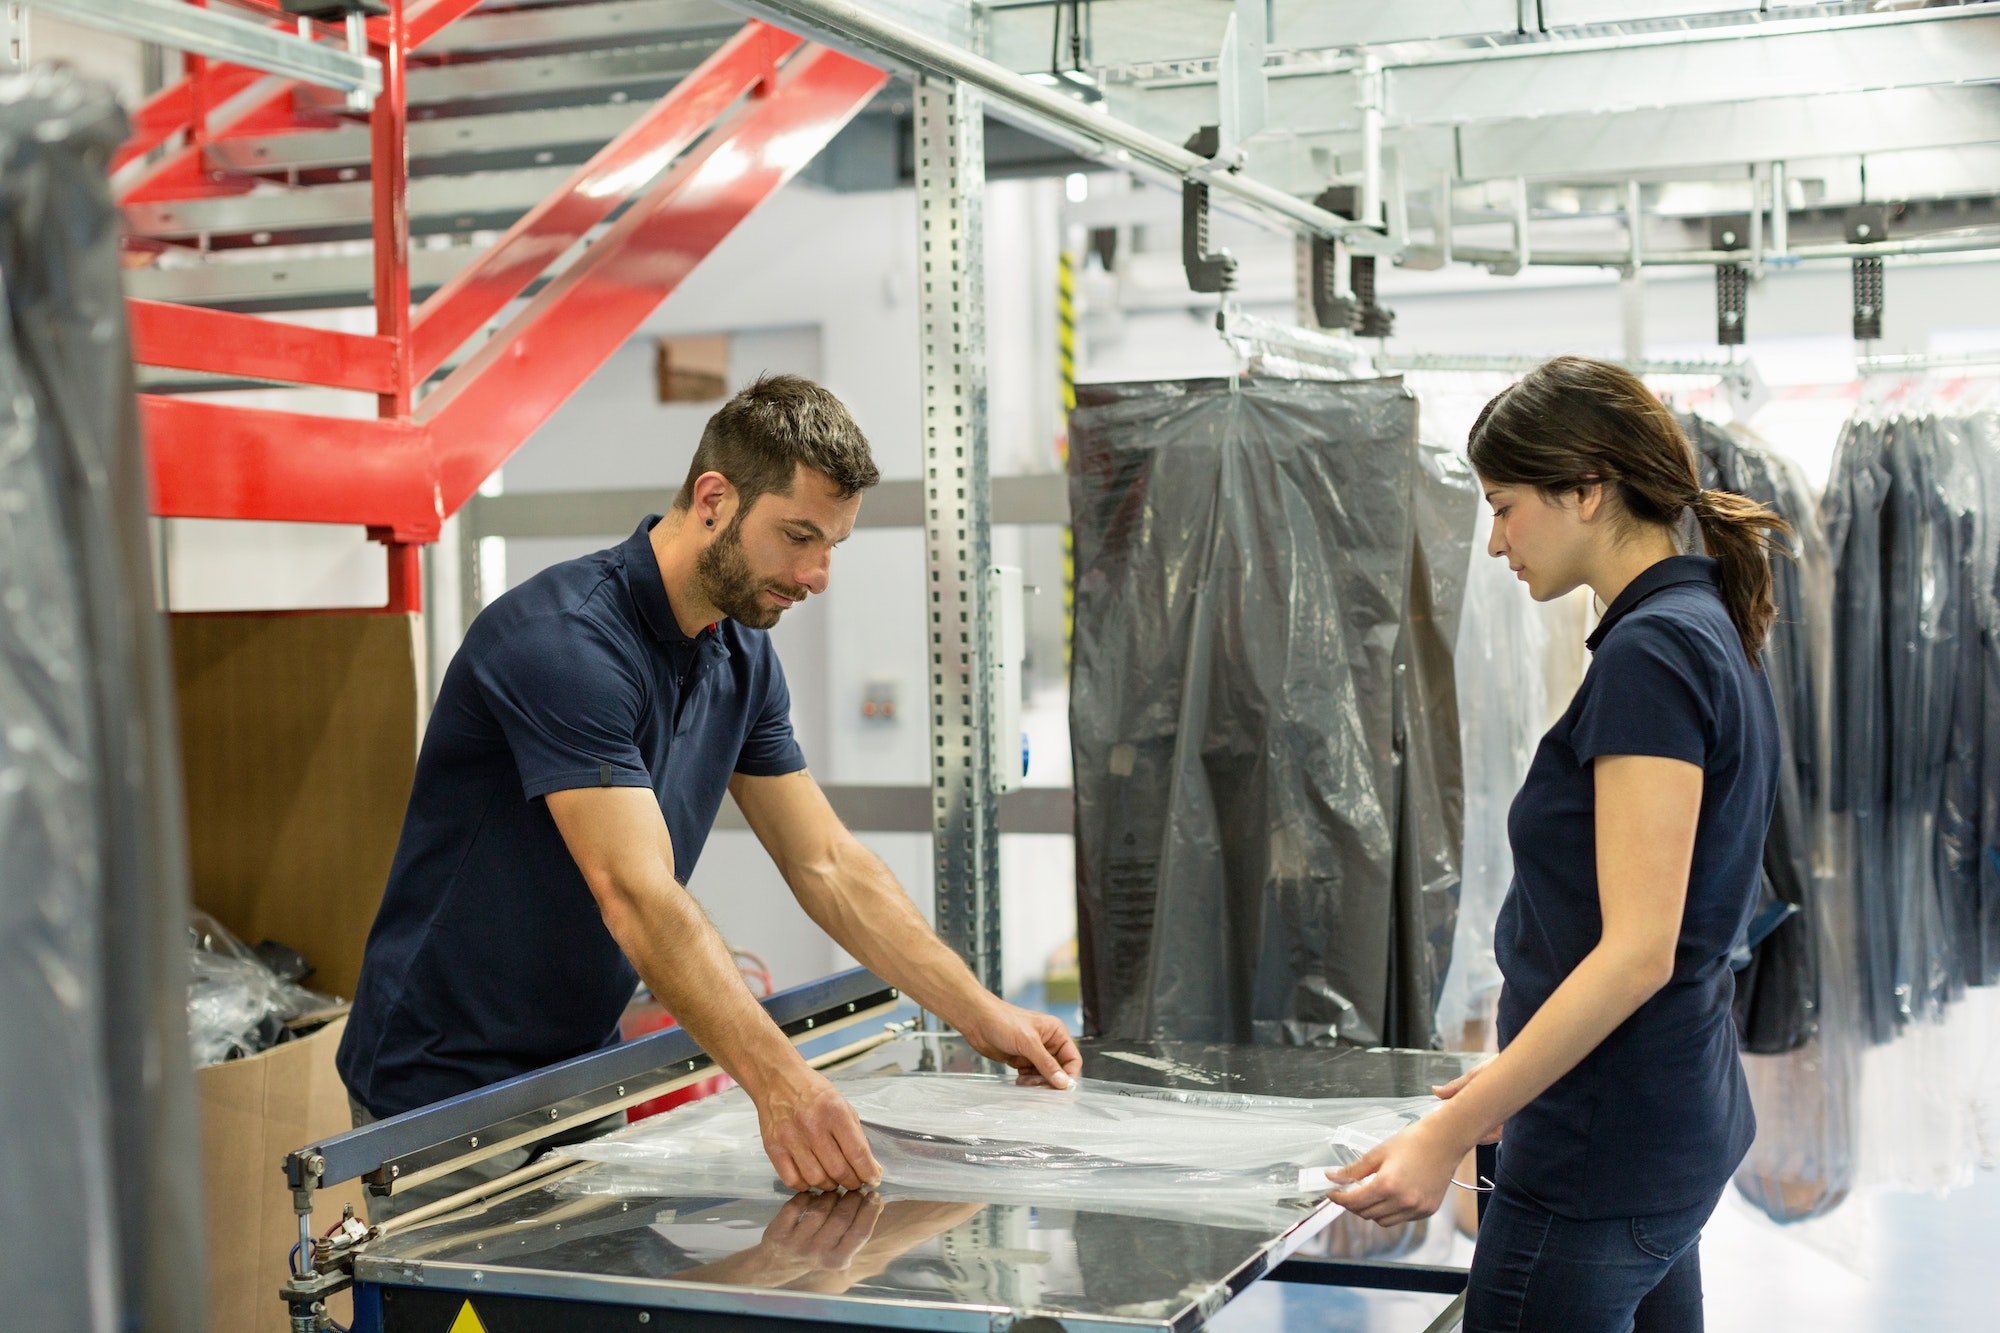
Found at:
<point>569,705</point>
<point>1646,694</point>
<point>769,749</point>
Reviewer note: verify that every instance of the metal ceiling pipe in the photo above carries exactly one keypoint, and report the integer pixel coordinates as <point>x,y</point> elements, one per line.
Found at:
<point>1958,242</point>
<point>868,33</point>
<point>1368,96</point>
<point>1751,26</point>
<point>1781,210</point>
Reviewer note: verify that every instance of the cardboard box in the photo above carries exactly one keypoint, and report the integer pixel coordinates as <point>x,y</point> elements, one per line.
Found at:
<point>253,1112</point>
<point>299,739</point>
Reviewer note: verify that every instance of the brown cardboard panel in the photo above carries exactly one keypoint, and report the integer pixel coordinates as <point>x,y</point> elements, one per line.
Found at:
<point>253,1112</point>
<point>299,739</point>
<point>692,370</point>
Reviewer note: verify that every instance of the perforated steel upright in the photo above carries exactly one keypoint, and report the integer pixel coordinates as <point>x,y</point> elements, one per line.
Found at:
<point>965,812</point>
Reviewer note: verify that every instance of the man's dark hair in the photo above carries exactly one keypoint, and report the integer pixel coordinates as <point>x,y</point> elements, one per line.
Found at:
<point>758,439</point>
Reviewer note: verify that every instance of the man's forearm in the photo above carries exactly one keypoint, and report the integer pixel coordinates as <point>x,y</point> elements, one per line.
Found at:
<point>688,967</point>
<point>859,903</point>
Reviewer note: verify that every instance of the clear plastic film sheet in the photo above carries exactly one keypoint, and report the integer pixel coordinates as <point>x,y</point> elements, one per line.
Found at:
<point>236,1004</point>
<point>1263,710</point>
<point>1219,1157</point>
<point>99,1167</point>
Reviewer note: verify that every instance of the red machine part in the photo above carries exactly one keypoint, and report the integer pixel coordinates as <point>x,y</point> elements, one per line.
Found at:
<point>761,107</point>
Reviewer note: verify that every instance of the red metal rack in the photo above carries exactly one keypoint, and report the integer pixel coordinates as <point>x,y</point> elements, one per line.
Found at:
<point>685,173</point>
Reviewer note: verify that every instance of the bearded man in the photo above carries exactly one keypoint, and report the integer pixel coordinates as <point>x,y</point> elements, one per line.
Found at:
<point>581,743</point>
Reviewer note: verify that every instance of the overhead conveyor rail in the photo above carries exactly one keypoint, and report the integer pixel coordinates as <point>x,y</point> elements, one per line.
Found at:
<point>734,119</point>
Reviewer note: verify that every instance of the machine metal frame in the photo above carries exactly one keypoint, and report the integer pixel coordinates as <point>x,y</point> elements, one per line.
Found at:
<point>421,1145</point>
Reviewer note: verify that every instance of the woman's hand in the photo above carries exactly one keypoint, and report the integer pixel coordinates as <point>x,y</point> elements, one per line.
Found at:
<point>1445,1092</point>
<point>1402,1179</point>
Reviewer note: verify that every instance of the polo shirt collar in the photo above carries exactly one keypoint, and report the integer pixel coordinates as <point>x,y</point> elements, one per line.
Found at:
<point>649,590</point>
<point>1665,574</point>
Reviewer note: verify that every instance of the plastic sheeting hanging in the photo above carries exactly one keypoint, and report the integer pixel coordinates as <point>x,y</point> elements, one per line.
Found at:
<point>1266,766</point>
<point>1910,524</point>
<point>986,1138</point>
<point>1777,992</point>
<point>96,1091</point>
<point>1503,641</point>
<point>1797,1009</point>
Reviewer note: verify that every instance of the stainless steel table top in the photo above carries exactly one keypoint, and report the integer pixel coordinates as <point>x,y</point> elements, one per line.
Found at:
<point>886,1261</point>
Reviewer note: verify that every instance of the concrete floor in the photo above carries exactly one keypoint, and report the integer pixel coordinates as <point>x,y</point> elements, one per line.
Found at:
<point>1901,1263</point>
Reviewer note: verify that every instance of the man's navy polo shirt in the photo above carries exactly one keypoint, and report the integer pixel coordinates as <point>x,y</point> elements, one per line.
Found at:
<point>488,957</point>
<point>1657,1118</point>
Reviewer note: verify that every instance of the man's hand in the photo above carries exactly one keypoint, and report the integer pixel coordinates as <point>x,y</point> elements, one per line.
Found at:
<point>1402,1179</point>
<point>822,1231</point>
<point>813,1137</point>
<point>1036,1044</point>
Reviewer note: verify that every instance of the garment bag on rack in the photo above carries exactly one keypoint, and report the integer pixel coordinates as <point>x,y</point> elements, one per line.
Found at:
<point>1796,1007</point>
<point>1777,992</point>
<point>96,1089</point>
<point>1244,560</point>
<point>1914,642</point>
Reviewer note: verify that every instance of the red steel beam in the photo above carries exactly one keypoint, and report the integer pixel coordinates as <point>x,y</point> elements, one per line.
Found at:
<point>190,338</point>
<point>490,405</point>
<point>171,110</point>
<point>456,311</point>
<point>215,460</point>
<point>389,172</point>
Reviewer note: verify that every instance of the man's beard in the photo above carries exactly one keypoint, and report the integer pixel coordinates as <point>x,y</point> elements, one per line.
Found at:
<point>730,587</point>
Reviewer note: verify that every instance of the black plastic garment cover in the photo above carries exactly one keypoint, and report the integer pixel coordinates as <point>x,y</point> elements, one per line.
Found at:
<point>96,1089</point>
<point>1908,514</point>
<point>1777,992</point>
<point>1268,782</point>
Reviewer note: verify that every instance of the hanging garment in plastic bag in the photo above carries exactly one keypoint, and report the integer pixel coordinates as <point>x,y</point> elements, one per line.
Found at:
<point>1777,991</point>
<point>1914,630</point>
<point>1430,768</point>
<point>96,1091</point>
<point>1500,667</point>
<point>986,1138</point>
<point>1244,565</point>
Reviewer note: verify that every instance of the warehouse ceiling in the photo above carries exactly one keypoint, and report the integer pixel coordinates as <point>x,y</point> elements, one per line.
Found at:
<point>1565,102</point>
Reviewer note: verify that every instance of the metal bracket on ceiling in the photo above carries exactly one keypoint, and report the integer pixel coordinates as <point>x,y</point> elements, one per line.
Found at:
<point>1206,271</point>
<point>1732,280</point>
<point>1240,77</point>
<point>1332,308</point>
<point>1359,311</point>
<point>352,16</point>
<point>1867,224</point>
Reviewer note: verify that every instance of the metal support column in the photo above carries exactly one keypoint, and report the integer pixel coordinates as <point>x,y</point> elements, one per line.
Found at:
<point>951,181</point>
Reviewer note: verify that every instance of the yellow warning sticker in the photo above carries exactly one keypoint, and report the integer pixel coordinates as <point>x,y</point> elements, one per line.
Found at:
<point>467,1321</point>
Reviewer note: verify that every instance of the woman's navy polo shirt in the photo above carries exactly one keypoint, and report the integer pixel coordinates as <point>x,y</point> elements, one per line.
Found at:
<point>488,957</point>
<point>1658,1117</point>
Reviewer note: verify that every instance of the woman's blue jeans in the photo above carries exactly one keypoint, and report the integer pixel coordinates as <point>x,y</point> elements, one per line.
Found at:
<point>1535,1272</point>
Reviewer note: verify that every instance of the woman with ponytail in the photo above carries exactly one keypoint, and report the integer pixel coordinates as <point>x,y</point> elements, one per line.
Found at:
<point>1638,841</point>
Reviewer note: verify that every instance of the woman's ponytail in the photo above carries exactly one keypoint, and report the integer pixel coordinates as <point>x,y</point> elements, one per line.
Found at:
<point>1742,535</point>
